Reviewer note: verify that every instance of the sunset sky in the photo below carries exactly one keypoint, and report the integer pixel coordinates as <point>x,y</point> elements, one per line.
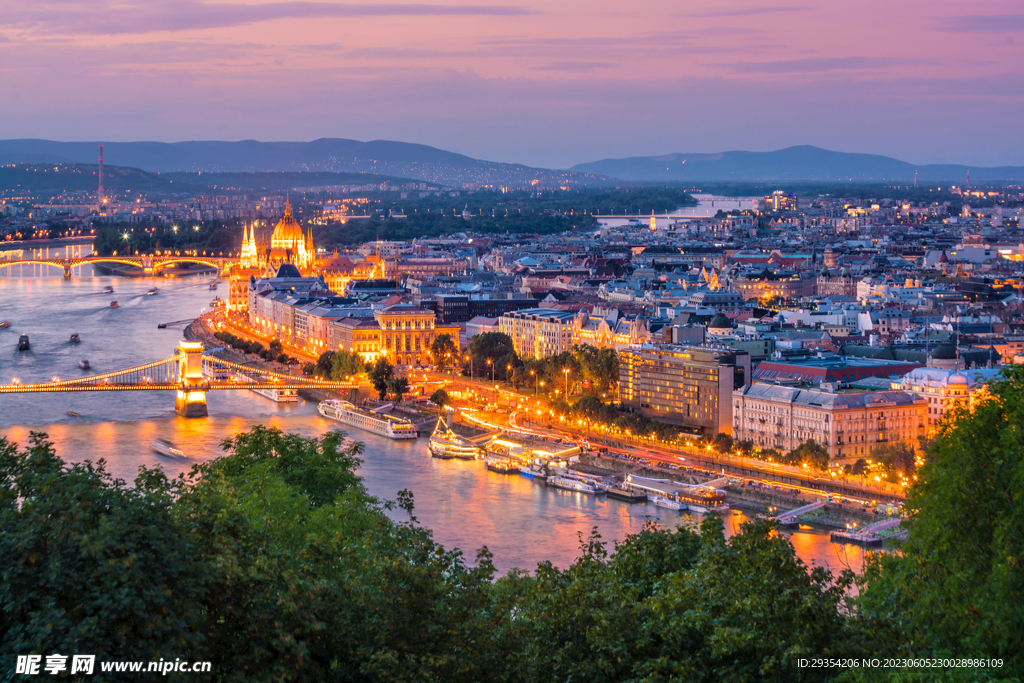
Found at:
<point>543,83</point>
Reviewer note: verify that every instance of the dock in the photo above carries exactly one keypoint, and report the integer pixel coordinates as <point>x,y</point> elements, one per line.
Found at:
<point>872,534</point>
<point>801,514</point>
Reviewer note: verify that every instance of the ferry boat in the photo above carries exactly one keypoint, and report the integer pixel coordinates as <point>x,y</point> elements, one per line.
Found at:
<point>217,302</point>
<point>84,364</point>
<point>670,503</point>
<point>445,444</point>
<point>165,447</point>
<point>571,482</point>
<point>384,425</point>
<point>501,465</point>
<point>701,498</point>
<point>75,338</point>
<point>114,304</point>
<point>23,343</point>
<point>152,292</point>
<point>108,290</point>
<point>4,323</point>
<point>279,395</point>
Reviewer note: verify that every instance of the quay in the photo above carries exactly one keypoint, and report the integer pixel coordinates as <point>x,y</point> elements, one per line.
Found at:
<point>872,534</point>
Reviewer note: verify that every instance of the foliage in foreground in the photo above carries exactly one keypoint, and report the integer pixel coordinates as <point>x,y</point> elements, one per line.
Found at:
<point>274,563</point>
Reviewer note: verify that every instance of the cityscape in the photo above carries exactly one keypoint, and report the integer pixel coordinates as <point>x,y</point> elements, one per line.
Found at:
<point>381,411</point>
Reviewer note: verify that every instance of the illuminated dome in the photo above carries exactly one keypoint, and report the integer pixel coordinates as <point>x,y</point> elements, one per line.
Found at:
<point>957,378</point>
<point>288,233</point>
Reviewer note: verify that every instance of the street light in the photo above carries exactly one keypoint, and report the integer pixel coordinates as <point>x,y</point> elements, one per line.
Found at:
<point>492,369</point>
<point>470,359</point>
<point>565,371</point>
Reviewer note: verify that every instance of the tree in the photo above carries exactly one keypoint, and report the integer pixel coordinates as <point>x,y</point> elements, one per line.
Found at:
<point>346,364</point>
<point>440,398</point>
<point>380,375</point>
<point>496,347</point>
<point>324,364</point>
<point>956,583</point>
<point>808,453</point>
<point>444,352</point>
<point>600,366</point>
<point>896,457</point>
<point>275,348</point>
<point>398,387</point>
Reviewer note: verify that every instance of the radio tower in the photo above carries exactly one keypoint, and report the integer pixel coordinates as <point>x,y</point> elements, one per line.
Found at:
<point>99,192</point>
<point>915,178</point>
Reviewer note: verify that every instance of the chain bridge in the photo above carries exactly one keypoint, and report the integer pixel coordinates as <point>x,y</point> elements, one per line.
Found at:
<point>150,265</point>
<point>190,373</point>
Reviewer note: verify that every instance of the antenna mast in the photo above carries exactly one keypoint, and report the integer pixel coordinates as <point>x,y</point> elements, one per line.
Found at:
<point>99,192</point>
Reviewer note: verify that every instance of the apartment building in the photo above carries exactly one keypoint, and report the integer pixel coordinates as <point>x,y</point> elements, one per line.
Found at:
<point>687,385</point>
<point>539,332</point>
<point>848,425</point>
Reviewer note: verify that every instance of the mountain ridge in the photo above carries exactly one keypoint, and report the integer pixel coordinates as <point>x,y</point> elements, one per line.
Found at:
<point>800,162</point>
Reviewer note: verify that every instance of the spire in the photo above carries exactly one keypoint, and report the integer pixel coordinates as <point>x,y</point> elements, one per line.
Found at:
<point>287,205</point>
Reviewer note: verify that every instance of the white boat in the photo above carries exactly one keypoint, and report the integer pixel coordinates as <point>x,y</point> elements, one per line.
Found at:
<point>108,290</point>
<point>669,503</point>
<point>571,482</point>
<point>152,292</point>
<point>384,425</point>
<point>279,395</point>
<point>165,447</point>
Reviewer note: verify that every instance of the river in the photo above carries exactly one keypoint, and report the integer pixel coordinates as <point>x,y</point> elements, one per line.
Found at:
<point>521,521</point>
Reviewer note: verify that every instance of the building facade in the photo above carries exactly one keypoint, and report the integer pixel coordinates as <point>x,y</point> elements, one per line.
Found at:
<point>848,425</point>
<point>539,332</point>
<point>686,385</point>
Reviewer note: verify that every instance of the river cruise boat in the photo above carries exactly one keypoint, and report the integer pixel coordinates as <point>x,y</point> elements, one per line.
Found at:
<point>282,395</point>
<point>84,364</point>
<point>114,304</point>
<point>701,498</point>
<point>384,425</point>
<point>75,338</point>
<point>572,482</point>
<point>501,465</point>
<point>23,343</point>
<point>669,503</point>
<point>445,443</point>
<point>165,447</point>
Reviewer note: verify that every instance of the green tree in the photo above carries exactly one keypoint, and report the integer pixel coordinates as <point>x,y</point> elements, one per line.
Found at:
<point>380,375</point>
<point>346,364</point>
<point>898,457</point>
<point>440,398</point>
<point>808,453</point>
<point>325,364</point>
<point>599,366</point>
<point>954,588</point>
<point>397,387</point>
<point>444,352</point>
<point>275,348</point>
<point>496,347</point>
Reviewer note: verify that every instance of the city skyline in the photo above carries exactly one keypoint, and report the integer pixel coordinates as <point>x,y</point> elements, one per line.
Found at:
<point>523,82</point>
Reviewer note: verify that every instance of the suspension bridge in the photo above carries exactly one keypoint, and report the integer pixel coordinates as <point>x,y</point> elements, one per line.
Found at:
<point>190,373</point>
<point>149,264</point>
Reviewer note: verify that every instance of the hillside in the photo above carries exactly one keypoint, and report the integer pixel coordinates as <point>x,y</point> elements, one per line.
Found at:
<point>55,179</point>
<point>332,155</point>
<point>276,182</point>
<point>803,162</point>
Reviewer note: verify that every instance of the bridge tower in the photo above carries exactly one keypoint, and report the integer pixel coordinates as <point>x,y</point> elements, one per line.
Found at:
<point>147,265</point>
<point>191,396</point>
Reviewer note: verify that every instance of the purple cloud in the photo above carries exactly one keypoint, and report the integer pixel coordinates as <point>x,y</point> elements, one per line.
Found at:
<point>983,23</point>
<point>816,65</point>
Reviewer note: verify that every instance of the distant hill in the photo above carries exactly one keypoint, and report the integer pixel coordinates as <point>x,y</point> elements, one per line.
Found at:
<point>277,182</point>
<point>804,162</point>
<point>332,155</point>
<point>53,179</point>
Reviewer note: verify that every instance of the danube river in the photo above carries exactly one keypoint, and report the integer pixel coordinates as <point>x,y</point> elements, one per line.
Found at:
<point>522,521</point>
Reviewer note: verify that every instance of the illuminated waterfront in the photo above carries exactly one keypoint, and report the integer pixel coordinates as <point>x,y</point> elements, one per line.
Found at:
<point>522,521</point>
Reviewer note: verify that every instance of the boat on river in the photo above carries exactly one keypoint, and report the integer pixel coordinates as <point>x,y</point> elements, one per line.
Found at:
<point>501,465</point>
<point>669,503</point>
<point>378,423</point>
<point>165,447</point>
<point>573,482</point>
<point>152,292</point>
<point>23,343</point>
<point>114,304</point>
<point>75,338</point>
<point>4,323</point>
<point>213,286</point>
<point>281,395</point>
<point>445,443</point>
<point>108,290</point>
<point>84,364</point>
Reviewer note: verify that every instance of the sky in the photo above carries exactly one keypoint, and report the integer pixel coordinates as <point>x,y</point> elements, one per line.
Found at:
<point>541,82</point>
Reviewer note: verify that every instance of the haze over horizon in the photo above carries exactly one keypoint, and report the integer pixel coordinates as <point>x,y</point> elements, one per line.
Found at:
<point>520,81</point>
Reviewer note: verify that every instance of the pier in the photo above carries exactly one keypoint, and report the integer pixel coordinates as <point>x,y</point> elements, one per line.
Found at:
<point>872,534</point>
<point>801,514</point>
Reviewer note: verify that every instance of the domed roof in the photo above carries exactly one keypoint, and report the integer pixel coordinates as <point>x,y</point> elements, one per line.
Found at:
<point>720,322</point>
<point>288,230</point>
<point>956,378</point>
<point>846,273</point>
<point>824,272</point>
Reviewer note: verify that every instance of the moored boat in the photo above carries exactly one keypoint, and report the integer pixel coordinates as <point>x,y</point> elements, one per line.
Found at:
<point>378,423</point>
<point>501,465</point>
<point>445,443</point>
<point>282,395</point>
<point>217,302</point>
<point>627,495</point>
<point>572,482</point>
<point>670,503</point>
